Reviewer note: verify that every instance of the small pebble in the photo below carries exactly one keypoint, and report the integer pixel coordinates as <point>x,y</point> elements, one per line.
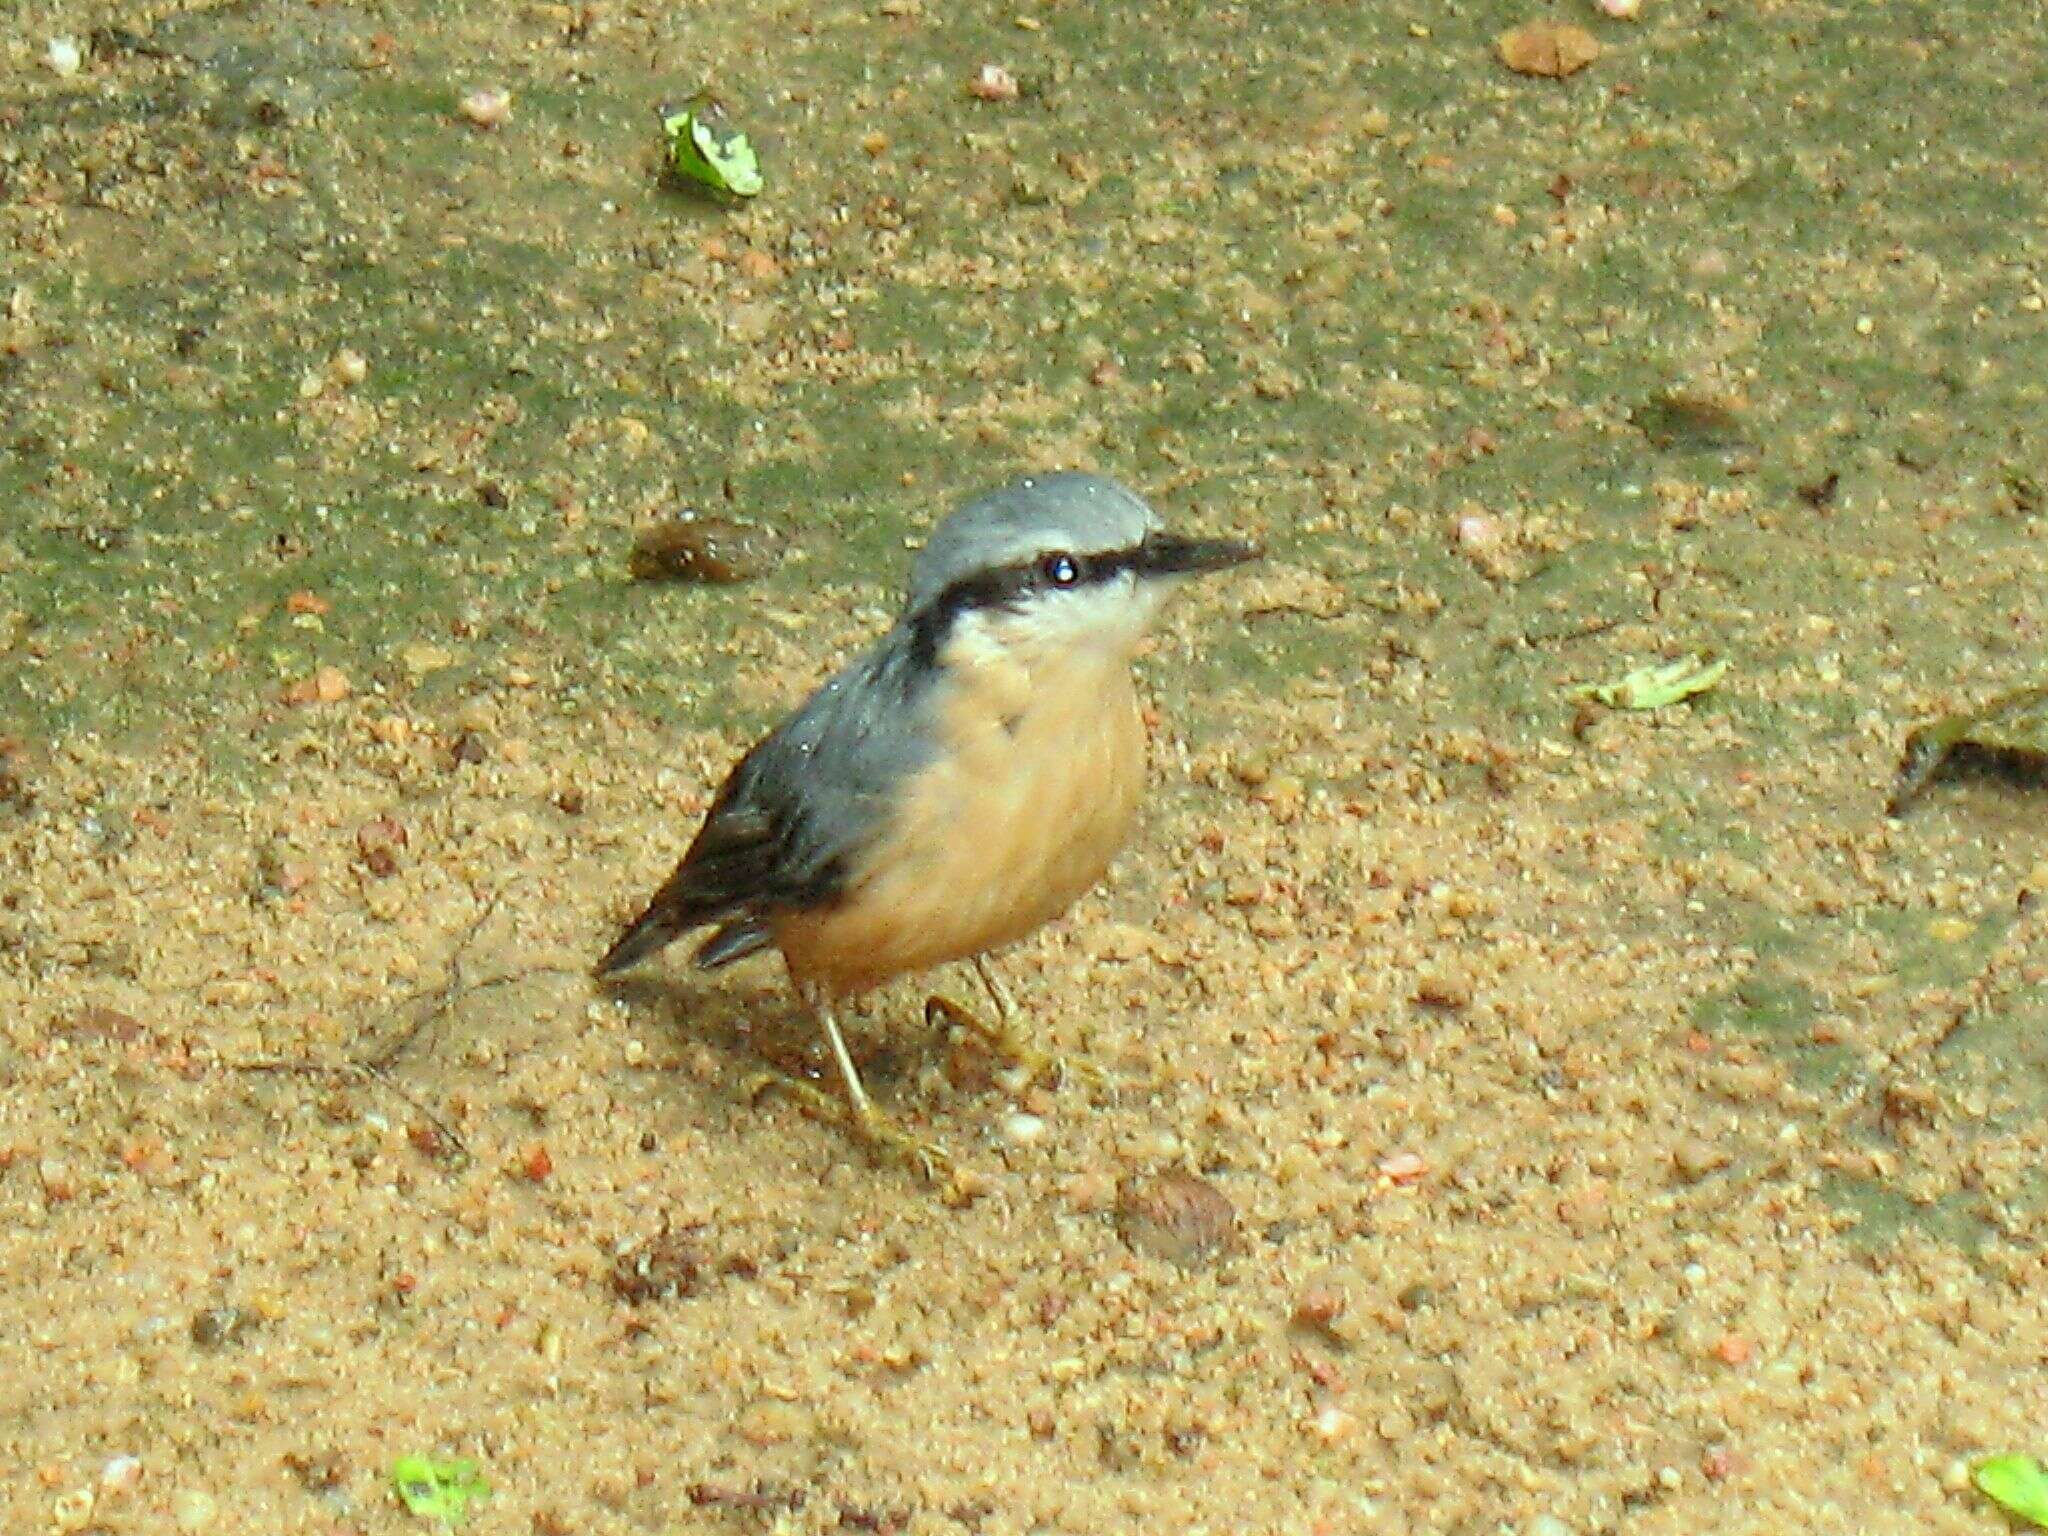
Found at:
<point>1404,1167</point>
<point>327,685</point>
<point>72,1511</point>
<point>1449,993</point>
<point>58,1181</point>
<point>1720,1463</point>
<point>1023,1129</point>
<point>1478,534</point>
<point>1177,1216</point>
<point>666,1266</point>
<point>348,368</point>
<point>772,1421</point>
<point>1619,10</point>
<point>120,1474</point>
<point>1331,1424</point>
<point>1319,1306</point>
<point>1694,1158</point>
<point>378,844</point>
<point>216,1327</point>
<point>63,57</point>
<point>193,1510</point>
<point>487,108</point>
<point>992,82</point>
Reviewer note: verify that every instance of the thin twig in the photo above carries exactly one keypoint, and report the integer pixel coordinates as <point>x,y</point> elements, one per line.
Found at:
<point>377,1069</point>
<point>1990,983</point>
<point>368,1072</point>
<point>1531,641</point>
<point>452,988</point>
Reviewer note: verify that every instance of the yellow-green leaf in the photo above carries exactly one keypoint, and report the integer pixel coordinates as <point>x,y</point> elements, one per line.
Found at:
<point>707,151</point>
<point>1653,687</point>
<point>436,1490</point>
<point>2016,1484</point>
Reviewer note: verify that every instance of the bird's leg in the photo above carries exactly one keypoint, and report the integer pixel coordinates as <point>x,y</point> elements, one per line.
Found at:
<point>880,1134</point>
<point>1007,1035</point>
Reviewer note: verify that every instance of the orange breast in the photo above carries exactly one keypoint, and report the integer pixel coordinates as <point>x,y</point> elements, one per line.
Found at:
<point>1031,800</point>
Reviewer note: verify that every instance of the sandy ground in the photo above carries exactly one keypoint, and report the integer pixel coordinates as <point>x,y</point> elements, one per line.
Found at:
<point>1506,1116</point>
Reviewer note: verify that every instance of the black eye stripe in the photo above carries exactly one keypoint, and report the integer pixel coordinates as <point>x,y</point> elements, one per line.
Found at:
<point>1006,585</point>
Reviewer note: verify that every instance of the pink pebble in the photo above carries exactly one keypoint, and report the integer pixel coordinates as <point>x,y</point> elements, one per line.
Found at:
<point>992,82</point>
<point>1403,1167</point>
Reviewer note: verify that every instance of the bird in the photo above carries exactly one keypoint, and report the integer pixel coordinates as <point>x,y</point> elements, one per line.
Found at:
<point>955,786</point>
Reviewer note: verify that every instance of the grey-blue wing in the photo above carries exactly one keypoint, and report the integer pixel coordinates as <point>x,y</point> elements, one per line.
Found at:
<point>793,818</point>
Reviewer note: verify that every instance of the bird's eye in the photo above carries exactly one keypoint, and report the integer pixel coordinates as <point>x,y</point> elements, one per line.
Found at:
<point>1061,570</point>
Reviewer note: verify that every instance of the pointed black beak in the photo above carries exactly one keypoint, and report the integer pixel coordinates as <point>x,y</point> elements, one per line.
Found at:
<point>1167,554</point>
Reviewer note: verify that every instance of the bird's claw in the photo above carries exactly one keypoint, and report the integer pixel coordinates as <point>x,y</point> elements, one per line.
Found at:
<point>1029,1066</point>
<point>883,1138</point>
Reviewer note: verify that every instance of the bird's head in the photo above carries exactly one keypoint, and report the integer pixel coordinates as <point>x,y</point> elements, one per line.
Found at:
<point>1052,564</point>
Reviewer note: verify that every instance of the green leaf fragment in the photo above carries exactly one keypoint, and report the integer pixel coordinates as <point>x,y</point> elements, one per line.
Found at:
<point>438,1490</point>
<point>2016,1484</point>
<point>1655,686</point>
<point>708,152</point>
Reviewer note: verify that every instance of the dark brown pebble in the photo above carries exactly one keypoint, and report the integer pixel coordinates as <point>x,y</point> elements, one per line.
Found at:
<point>714,549</point>
<point>218,1327</point>
<point>378,843</point>
<point>317,1471</point>
<point>664,1267</point>
<point>1177,1216</point>
<point>469,748</point>
<point>1821,493</point>
<point>1448,993</point>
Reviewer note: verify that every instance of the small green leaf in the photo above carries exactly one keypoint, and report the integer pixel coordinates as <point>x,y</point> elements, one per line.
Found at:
<point>2016,1484</point>
<point>441,1491</point>
<point>1653,687</point>
<point>708,152</point>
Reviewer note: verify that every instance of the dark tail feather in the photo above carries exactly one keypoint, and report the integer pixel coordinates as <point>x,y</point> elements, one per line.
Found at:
<point>650,931</point>
<point>725,864</point>
<point>735,941</point>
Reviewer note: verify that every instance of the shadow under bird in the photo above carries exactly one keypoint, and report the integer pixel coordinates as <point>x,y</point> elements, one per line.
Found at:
<point>958,784</point>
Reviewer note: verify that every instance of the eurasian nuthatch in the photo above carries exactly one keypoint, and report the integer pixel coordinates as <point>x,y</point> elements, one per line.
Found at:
<point>958,784</point>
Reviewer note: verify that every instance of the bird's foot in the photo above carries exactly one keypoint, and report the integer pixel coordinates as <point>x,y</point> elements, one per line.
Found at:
<point>883,1138</point>
<point>1010,1043</point>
